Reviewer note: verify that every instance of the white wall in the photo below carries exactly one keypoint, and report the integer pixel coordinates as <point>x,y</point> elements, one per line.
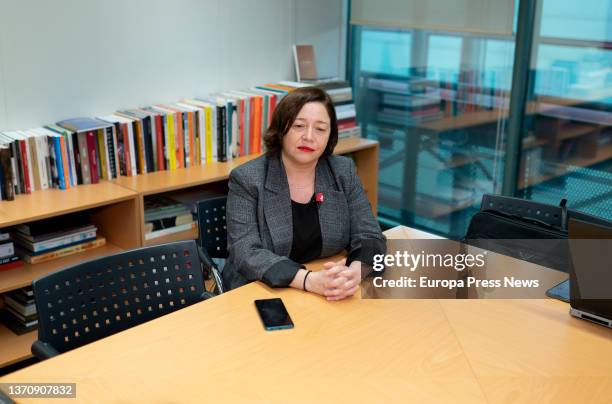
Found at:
<point>68,58</point>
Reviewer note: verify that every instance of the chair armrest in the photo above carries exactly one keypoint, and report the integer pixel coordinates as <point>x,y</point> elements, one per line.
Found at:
<point>207,295</point>
<point>43,350</point>
<point>208,263</point>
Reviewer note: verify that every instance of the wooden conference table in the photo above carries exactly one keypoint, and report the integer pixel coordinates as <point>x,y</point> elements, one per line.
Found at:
<point>349,351</point>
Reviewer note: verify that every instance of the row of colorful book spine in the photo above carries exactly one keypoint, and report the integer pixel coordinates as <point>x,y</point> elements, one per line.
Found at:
<point>130,142</point>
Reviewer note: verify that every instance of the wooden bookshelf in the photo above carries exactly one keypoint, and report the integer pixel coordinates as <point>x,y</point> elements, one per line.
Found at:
<point>53,202</point>
<point>117,209</point>
<point>112,208</point>
<point>15,348</point>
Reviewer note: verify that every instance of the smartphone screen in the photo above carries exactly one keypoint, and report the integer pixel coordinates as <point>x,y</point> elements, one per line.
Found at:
<point>273,314</point>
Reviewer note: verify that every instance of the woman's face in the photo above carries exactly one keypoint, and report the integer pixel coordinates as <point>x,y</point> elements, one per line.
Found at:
<point>307,137</point>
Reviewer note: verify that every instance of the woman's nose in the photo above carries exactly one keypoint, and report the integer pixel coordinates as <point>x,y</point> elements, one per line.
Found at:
<point>308,133</point>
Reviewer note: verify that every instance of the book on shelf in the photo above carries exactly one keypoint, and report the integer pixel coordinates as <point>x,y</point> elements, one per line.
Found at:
<point>19,313</point>
<point>49,228</point>
<point>96,153</point>
<point>7,249</point>
<point>207,127</point>
<point>14,324</point>
<point>305,64</point>
<point>237,104</point>
<point>228,135</point>
<point>82,246</point>
<point>55,237</point>
<point>25,320</point>
<point>165,216</point>
<point>36,248</point>
<point>169,222</point>
<point>160,207</point>
<point>141,127</point>
<point>24,306</point>
<point>8,256</point>
<point>258,109</point>
<point>11,262</point>
<point>304,61</point>
<point>171,230</point>
<point>124,130</point>
<point>7,180</point>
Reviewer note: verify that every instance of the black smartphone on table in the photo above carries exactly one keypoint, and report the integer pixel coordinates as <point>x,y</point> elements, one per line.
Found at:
<point>273,314</point>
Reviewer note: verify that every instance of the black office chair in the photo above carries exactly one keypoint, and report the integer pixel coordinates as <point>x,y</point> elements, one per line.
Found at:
<point>509,225</point>
<point>95,299</point>
<point>213,234</point>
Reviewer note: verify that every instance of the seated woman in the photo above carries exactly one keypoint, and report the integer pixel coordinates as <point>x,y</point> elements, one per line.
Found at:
<point>298,203</point>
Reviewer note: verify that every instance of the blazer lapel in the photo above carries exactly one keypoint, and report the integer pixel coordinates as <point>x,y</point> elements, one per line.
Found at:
<point>331,210</point>
<point>277,207</point>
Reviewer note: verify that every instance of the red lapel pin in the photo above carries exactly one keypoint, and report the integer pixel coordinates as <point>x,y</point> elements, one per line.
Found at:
<point>319,197</point>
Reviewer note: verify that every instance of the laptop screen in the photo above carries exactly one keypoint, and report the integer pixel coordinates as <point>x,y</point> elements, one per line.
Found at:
<point>590,267</point>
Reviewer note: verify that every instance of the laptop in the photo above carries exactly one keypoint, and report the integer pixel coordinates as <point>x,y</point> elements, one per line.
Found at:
<point>590,271</point>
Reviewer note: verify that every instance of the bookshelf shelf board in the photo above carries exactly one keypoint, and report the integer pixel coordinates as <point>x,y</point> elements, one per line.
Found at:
<point>53,202</point>
<point>15,348</point>
<point>23,276</point>
<point>603,154</point>
<point>464,121</point>
<point>574,130</point>
<point>166,181</point>
<point>350,145</point>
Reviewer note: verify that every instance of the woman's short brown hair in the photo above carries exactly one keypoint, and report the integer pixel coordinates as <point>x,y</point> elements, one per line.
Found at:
<point>287,111</point>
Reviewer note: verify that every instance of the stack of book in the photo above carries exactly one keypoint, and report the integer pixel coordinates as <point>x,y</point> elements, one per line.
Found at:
<point>8,258</point>
<point>165,216</point>
<point>54,238</point>
<point>407,102</point>
<point>19,312</point>
<point>341,94</point>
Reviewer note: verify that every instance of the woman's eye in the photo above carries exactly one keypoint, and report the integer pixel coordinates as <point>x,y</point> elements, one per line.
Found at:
<point>321,129</point>
<point>297,125</point>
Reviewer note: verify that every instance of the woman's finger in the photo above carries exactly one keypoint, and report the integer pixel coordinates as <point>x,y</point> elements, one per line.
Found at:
<point>336,270</point>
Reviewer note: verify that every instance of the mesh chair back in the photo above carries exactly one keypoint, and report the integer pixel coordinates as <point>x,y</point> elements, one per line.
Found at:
<point>92,300</point>
<point>213,227</point>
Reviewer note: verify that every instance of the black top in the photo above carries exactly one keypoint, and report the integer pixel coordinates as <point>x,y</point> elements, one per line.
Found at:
<point>307,240</point>
<point>306,245</point>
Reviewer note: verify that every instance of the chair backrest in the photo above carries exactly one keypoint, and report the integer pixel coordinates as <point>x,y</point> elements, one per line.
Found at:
<point>92,300</point>
<point>548,214</point>
<point>212,226</point>
<point>509,226</point>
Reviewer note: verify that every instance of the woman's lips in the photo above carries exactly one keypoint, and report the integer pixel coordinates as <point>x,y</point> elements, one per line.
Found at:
<point>305,149</point>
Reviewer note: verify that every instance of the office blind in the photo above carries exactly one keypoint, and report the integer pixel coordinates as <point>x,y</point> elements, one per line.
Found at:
<point>476,16</point>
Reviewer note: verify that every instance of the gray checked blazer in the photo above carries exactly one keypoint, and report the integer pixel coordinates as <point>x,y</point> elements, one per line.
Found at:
<point>260,224</point>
